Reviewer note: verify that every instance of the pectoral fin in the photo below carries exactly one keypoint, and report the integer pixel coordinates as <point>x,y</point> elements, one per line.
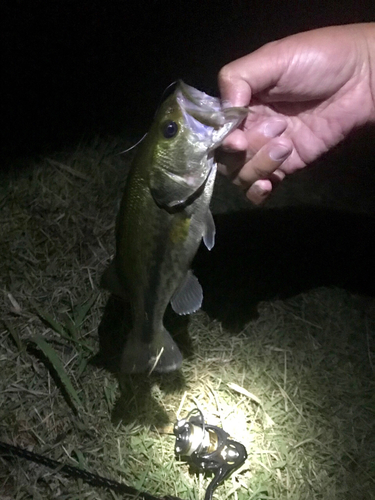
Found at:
<point>188,297</point>
<point>209,235</point>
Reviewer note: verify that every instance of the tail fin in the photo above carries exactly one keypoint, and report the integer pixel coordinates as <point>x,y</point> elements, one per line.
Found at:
<point>161,355</point>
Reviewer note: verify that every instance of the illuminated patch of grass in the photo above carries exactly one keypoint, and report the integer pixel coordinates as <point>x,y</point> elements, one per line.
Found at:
<point>296,386</point>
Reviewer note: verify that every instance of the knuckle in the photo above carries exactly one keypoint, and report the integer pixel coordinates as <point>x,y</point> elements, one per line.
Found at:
<point>261,172</point>
<point>225,74</point>
<point>254,171</point>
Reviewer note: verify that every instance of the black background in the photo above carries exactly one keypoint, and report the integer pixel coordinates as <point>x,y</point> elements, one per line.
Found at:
<point>72,69</point>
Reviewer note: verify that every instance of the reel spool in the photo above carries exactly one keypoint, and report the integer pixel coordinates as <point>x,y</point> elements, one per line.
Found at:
<point>208,447</point>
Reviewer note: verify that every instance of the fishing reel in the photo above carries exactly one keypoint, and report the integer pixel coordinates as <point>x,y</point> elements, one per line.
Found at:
<point>208,448</point>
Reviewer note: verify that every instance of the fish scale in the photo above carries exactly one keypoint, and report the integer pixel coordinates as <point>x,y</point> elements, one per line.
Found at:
<point>164,215</point>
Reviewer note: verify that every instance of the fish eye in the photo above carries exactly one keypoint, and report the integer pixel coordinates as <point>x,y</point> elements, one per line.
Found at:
<point>170,129</point>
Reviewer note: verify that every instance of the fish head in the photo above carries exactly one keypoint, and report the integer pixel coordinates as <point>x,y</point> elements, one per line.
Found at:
<point>187,128</point>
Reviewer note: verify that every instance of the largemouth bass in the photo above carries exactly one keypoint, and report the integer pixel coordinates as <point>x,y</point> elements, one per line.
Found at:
<point>164,215</point>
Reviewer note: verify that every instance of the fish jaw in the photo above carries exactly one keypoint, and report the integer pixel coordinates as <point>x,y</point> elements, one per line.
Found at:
<point>206,117</point>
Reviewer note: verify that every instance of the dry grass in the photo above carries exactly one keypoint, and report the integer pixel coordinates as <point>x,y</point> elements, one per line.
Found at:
<point>296,386</point>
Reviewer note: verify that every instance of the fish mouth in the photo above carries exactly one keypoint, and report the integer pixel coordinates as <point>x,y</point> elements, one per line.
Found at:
<point>198,99</point>
<point>206,116</point>
<point>199,105</point>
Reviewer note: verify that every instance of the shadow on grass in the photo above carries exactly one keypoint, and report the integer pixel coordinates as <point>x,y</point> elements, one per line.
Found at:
<point>259,255</point>
<point>136,397</point>
<point>138,401</point>
<point>262,254</point>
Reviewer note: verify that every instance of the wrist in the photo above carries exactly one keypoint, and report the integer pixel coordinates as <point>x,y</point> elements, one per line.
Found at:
<point>369,35</point>
<point>372,77</point>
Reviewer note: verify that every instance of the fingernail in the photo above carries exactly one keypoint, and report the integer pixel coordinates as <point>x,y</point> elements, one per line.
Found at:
<point>256,194</point>
<point>228,149</point>
<point>274,128</point>
<point>257,189</point>
<point>226,104</point>
<point>279,152</point>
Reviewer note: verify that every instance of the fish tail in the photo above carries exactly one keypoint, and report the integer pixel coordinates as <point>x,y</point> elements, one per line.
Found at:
<point>161,355</point>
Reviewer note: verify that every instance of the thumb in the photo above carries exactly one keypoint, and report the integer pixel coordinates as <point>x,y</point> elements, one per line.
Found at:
<point>241,79</point>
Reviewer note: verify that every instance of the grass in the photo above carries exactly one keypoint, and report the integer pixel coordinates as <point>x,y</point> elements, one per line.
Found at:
<point>295,385</point>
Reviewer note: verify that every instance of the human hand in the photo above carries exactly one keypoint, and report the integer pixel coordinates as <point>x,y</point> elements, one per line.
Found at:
<point>305,93</point>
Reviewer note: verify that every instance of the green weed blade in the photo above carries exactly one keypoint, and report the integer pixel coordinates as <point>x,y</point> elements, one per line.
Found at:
<point>45,316</point>
<point>15,336</point>
<point>82,310</point>
<point>54,359</point>
<point>71,328</point>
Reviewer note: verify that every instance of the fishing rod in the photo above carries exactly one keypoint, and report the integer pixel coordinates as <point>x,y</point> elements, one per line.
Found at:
<point>71,471</point>
<point>206,447</point>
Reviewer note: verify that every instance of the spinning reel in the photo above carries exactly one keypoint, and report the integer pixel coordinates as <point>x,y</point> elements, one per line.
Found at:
<point>208,448</point>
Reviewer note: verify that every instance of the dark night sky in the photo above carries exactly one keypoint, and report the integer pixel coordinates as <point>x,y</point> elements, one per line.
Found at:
<point>75,68</point>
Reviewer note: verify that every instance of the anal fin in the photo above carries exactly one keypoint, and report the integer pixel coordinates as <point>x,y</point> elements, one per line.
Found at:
<point>188,297</point>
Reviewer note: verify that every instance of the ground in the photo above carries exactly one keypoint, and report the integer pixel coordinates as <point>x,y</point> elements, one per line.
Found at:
<point>285,365</point>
